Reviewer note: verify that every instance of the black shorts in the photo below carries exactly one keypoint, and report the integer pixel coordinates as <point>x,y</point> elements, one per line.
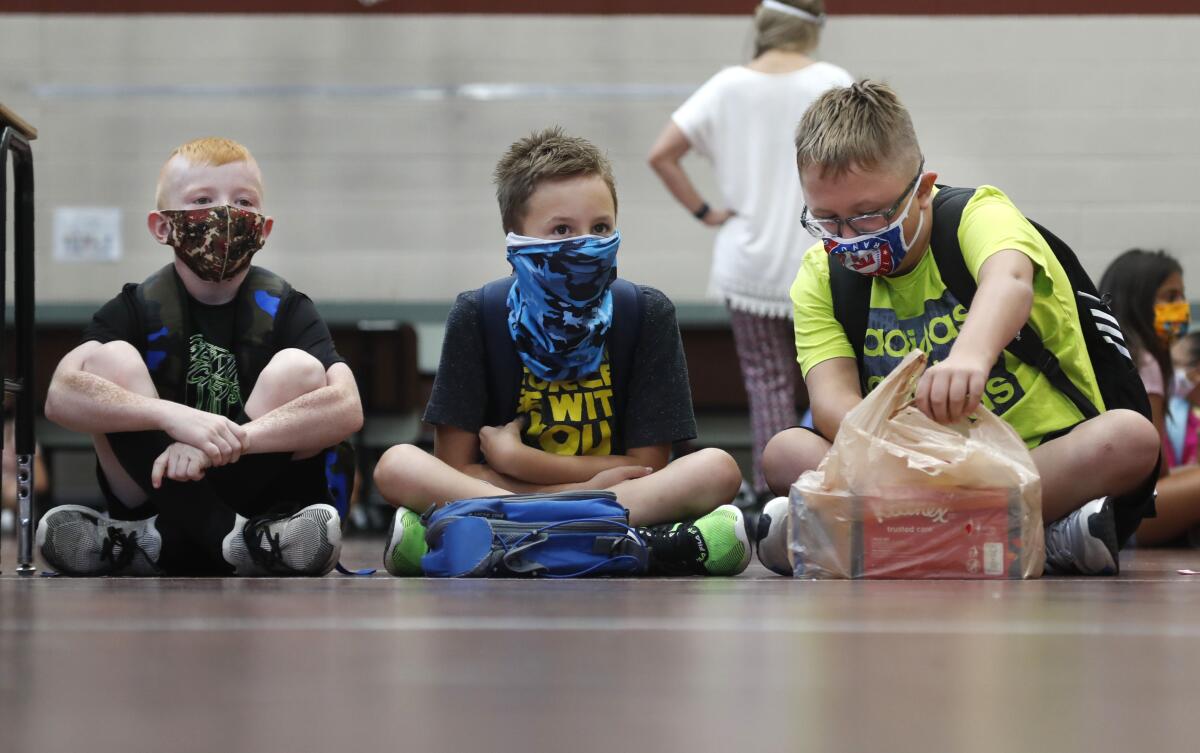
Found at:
<point>254,485</point>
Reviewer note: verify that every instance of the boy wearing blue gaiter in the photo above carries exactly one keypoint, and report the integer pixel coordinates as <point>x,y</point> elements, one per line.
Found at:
<point>566,377</point>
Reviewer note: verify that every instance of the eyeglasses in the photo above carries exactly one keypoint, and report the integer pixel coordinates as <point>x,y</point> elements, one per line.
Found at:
<point>863,224</point>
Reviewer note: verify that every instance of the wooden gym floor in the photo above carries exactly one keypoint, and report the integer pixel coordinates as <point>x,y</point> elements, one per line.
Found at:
<point>755,663</point>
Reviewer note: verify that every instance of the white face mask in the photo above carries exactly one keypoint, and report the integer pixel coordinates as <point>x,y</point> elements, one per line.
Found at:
<point>513,240</point>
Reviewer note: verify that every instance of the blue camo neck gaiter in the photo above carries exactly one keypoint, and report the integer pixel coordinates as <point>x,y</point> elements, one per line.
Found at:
<point>560,308</point>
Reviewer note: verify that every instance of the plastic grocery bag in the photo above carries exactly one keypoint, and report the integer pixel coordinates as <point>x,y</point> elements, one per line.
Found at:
<point>902,496</point>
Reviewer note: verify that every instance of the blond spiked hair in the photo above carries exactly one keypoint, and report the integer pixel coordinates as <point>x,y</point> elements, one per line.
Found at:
<point>863,125</point>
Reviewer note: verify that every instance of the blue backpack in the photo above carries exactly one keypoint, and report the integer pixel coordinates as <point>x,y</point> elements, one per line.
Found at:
<point>552,535</point>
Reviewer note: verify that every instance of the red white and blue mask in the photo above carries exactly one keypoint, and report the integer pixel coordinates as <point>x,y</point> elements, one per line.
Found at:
<point>876,254</point>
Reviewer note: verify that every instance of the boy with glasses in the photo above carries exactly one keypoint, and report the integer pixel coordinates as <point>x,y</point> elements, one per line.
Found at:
<point>871,203</point>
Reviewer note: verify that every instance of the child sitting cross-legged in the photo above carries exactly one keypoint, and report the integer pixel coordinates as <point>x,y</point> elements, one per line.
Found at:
<point>566,377</point>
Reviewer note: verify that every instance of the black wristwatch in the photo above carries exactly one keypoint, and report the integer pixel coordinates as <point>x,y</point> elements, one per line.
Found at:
<point>702,212</point>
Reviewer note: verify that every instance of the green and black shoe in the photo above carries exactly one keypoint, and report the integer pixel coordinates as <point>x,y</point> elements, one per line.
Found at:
<point>715,544</point>
<point>405,544</point>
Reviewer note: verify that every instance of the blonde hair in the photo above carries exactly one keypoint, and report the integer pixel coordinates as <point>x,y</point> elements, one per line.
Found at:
<point>209,150</point>
<point>544,155</point>
<point>775,30</point>
<point>861,125</point>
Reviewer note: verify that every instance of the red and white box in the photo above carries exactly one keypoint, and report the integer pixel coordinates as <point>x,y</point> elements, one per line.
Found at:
<point>909,532</point>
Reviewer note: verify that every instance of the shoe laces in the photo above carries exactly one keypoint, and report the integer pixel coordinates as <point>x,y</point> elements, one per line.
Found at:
<point>674,541</point>
<point>256,533</point>
<point>127,541</point>
<point>661,539</point>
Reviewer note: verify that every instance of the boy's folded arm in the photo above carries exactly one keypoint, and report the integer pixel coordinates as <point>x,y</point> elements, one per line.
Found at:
<point>505,452</point>
<point>459,449</point>
<point>538,467</point>
<point>316,419</point>
<point>83,402</point>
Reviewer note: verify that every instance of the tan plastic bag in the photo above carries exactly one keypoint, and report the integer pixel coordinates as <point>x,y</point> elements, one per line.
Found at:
<point>902,496</point>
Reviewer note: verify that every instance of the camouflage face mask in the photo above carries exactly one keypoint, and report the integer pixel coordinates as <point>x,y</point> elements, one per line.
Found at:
<point>215,242</point>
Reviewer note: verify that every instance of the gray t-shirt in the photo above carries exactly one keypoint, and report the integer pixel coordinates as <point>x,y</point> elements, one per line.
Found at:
<point>658,407</point>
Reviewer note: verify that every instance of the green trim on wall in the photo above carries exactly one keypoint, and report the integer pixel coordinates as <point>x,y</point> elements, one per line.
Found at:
<point>371,314</point>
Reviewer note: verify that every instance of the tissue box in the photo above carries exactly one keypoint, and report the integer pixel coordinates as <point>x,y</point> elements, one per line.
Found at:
<point>940,532</point>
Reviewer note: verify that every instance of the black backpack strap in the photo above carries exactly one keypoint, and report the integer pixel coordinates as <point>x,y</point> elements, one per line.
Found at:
<point>626,328</point>
<point>850,293</point>
<point>948,206</point>
<point>161,307</point>
<point>504,369</point>
<point>262,296</point>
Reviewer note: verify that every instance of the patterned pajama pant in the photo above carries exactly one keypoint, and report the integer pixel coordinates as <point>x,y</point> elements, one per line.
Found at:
<point>766,351</point>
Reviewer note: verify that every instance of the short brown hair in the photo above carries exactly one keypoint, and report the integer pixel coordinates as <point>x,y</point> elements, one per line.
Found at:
<point>862,125</point>
<point>209,150</point>
<point>543,155</point>
<point>776,30</point>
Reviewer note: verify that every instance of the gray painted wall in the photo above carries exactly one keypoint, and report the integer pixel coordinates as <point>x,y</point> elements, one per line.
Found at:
<point>378,154</point>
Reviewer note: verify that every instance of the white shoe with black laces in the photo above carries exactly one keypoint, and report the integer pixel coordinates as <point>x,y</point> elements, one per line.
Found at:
<point>77,540</point>
<point>307,542</point>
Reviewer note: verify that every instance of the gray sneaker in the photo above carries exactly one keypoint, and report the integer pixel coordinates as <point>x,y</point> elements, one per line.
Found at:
<point>1084,542</point>
<point>772,542</point>
<point>77,540</point>
<point>307,542</point>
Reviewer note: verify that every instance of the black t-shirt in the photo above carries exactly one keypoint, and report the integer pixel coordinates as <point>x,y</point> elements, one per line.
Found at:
<point>212,375</point>
<point>658,408</point>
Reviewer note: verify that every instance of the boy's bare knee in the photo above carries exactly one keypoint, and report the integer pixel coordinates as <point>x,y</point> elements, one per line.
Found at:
<point>290,374</point>
<point>721,472</point>
<point>1132,444</point>
<point>119,362</point>
<point>789,454</point>
<point>395,469</point>
<point>299,370</point>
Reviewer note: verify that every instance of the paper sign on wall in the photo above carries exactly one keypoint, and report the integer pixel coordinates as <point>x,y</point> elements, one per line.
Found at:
<point>87,234</point>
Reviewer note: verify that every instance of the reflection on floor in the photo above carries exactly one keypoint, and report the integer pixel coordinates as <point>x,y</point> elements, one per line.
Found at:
<point>755,663</point>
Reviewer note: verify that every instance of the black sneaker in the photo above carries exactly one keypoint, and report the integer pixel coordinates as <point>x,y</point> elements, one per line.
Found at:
<point>716,544</point>
<point>77,540</point>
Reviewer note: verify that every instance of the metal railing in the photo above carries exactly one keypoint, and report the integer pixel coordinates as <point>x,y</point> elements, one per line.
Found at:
<point>15,140</point>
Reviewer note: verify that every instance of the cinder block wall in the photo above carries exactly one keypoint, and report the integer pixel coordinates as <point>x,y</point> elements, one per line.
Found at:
<point>378,153</point>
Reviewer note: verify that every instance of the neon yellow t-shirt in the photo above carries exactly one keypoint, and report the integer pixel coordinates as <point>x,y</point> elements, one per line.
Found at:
<point>916,310</point>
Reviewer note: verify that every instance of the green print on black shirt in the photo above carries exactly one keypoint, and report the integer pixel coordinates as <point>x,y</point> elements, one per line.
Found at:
<point>212,379</point>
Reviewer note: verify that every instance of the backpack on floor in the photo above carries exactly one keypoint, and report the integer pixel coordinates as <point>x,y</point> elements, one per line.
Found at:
<point>552,535</point>
<point>1116,374</point>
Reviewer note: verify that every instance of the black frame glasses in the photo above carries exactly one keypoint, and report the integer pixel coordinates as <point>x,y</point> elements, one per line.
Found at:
<point>871,222</point>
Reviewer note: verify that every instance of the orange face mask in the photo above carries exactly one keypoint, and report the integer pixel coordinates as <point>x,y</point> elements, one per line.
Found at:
<point>1171,320</point>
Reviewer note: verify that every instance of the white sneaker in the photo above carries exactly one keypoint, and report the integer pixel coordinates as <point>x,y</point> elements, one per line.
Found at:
<point>307,542</point>
<point>772,537</point>
<point>77,540</point>
<point>1084,542</point>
